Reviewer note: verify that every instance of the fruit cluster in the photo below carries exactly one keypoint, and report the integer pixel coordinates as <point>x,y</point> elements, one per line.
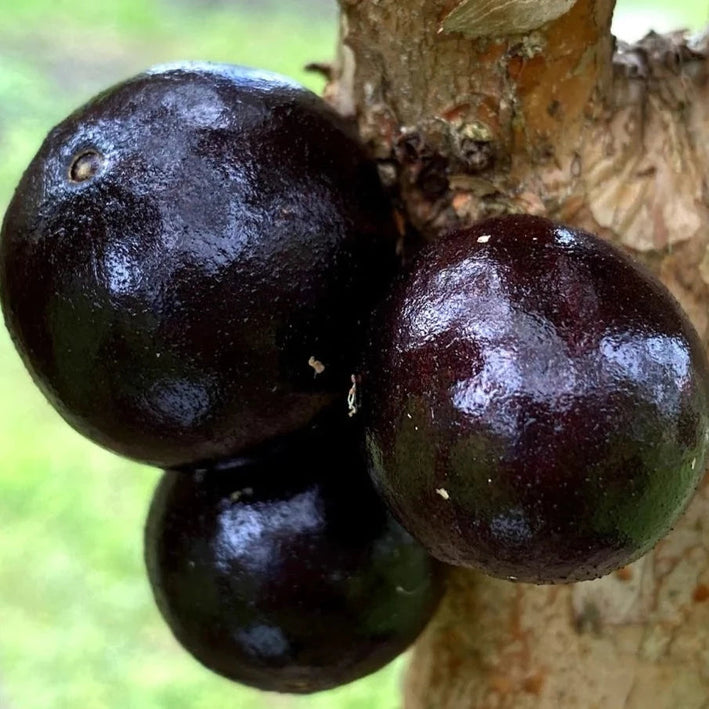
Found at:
<point>197,270</point>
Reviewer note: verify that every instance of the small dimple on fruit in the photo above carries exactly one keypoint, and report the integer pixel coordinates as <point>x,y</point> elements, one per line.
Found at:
<point>85,166</point>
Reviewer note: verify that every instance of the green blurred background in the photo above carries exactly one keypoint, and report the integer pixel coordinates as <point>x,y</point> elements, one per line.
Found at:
<point>78,629</point>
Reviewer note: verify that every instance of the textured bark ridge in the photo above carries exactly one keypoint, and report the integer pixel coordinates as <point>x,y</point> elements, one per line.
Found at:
<point>556,120</point>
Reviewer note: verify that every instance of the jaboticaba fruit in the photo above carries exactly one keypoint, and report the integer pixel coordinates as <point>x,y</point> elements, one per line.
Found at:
<point>538,403</point>
<point>188,261</point>
<point>285,571</point>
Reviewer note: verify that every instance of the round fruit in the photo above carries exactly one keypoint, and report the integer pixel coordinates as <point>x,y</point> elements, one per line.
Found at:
<point>539,404</point>
<point>188,261</point>
<point>285,571</point>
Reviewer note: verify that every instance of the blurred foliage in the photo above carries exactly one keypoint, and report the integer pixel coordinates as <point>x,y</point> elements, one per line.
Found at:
<point>633,18</point>
<point>79,627</point>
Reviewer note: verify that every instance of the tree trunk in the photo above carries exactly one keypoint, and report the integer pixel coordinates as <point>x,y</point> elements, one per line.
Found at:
<point>481,107</point>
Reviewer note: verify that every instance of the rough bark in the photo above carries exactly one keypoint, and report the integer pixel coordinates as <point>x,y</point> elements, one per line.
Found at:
<point>554,120</point>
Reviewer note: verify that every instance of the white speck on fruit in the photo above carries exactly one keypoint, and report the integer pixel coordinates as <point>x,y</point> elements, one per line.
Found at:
<point>317,365</point>
<point>238,494</point>
<point>409,415</point>
<point>694,463</point>
<point>401,589</point>
<point>484,239</point>
<point>443,493</point>
<point>353,397</point>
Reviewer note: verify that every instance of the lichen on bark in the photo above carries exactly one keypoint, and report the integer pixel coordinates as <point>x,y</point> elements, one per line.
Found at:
<point>558,120</point>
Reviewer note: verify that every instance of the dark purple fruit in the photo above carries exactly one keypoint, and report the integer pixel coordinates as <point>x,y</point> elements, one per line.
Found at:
<point>187,263</point>
<point>285,571</point>
<point>538,403</point>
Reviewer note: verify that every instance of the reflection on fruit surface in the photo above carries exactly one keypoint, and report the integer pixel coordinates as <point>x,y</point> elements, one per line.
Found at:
<point>540,403</point>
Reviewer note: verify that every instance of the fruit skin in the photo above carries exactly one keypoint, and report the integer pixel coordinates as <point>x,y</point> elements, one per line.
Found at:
<point>178,251</point>
<point>285,571</point>
<point>538,403</point>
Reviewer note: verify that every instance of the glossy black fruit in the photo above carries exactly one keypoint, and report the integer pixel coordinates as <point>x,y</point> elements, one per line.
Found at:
<point>539,404</point>
<point>187,263</point>
<point>285,571</point>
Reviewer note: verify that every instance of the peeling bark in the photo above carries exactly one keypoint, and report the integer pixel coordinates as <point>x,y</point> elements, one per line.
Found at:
<point>494,18</point>
<point>612,138</point>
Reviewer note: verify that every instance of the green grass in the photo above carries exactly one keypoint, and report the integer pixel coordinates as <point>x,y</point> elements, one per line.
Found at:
<point>78,628</point>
